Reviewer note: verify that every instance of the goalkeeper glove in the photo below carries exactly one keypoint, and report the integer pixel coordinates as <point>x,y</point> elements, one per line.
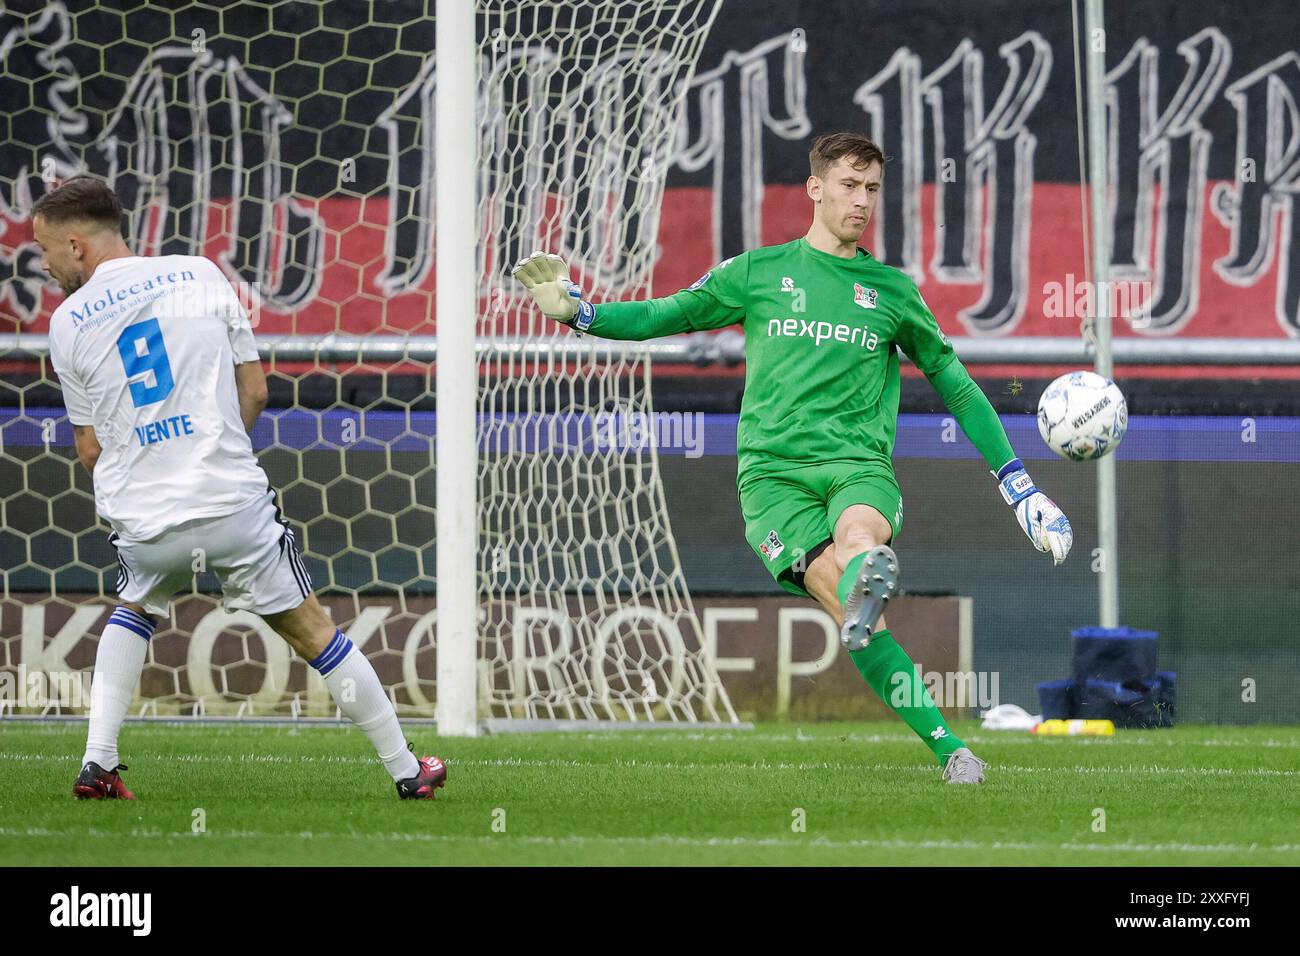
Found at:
<point>1039,517</point>
<point>546,278</point>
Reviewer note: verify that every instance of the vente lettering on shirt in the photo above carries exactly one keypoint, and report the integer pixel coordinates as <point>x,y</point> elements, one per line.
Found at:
<point>164,429</point>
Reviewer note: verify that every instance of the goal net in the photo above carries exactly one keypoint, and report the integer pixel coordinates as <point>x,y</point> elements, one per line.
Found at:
<point>294,145</point>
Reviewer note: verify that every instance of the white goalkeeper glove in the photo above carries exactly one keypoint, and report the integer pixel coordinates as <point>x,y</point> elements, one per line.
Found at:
<point>1041,520</point>
<point>546,278</point>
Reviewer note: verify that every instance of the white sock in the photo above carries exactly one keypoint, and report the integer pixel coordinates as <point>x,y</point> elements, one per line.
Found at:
<point>355,687</point>
<point>123,647</point>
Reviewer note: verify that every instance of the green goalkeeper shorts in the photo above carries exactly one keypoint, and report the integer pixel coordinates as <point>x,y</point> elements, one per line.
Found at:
<point>790,511</point>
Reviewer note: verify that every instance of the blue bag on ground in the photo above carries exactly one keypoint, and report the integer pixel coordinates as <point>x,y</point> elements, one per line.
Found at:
<point>1118,654</point>
<point>1115,678</point>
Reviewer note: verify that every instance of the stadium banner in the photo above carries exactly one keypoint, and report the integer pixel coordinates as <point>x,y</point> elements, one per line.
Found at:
<point>255,139</point>
<point>777,656</point>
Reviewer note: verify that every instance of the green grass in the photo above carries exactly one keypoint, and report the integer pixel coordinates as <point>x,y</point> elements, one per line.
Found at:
<point>870,794</point>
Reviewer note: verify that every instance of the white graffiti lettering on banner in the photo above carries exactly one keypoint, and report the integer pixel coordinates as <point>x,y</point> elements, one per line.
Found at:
<point>1168,147</point>
<point>136,145</point>
<point>195,126</point>
<point>748,77</point>
<point>1266,146</point>
<point>995,151</point>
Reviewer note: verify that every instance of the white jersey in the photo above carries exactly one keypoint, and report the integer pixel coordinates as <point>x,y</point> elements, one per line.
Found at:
<point>146,352</point>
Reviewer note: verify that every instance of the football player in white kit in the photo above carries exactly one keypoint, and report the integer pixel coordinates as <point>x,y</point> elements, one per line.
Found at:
<point>162,384</point>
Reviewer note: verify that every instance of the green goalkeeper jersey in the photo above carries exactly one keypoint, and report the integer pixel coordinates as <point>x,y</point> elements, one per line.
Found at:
<point>822,373</point>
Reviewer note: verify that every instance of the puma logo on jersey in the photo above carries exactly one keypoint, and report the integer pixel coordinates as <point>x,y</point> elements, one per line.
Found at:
<point>863,296</point>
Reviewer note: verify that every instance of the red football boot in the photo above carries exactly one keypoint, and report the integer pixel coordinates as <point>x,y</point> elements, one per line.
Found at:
<point>432,775</point>
<point>96,783</point>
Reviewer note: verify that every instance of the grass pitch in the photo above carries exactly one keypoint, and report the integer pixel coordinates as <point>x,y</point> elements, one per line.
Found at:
<point>866,794</point>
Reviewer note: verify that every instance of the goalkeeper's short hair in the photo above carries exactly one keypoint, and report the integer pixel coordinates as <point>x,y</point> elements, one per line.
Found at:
<point>828,149</point>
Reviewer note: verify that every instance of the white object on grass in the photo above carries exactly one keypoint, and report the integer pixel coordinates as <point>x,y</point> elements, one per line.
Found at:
<point>1009,717</point>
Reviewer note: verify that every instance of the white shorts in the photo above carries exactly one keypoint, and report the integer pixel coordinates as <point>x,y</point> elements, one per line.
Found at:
<point>252,551</point>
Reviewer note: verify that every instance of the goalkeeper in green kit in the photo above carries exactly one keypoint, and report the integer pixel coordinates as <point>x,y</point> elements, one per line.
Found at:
<point>816,434</point>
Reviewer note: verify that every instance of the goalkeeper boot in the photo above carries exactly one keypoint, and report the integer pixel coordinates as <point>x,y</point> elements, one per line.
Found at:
<point>964,767</point>
<point>96,783</point>
<point>432,775</point>
<point>877,582</point>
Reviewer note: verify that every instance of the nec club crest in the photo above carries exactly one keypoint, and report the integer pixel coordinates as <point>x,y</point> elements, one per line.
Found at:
<point>863,296</point>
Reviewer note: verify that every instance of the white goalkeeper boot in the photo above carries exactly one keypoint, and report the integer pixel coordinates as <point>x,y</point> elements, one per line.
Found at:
<point>964,767</point>
<point>877,582</point>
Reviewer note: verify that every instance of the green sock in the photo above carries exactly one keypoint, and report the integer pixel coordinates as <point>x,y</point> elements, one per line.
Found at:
<point>891,674</point>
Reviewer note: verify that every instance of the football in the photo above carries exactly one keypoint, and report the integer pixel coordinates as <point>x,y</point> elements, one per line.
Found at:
<point>1082,416</point>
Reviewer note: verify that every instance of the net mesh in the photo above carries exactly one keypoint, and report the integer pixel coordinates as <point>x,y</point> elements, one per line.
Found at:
<point>293,144</point>
<point>588,615</point>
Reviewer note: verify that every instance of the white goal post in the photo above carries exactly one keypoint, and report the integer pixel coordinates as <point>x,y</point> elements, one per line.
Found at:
<point>458,235</point>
